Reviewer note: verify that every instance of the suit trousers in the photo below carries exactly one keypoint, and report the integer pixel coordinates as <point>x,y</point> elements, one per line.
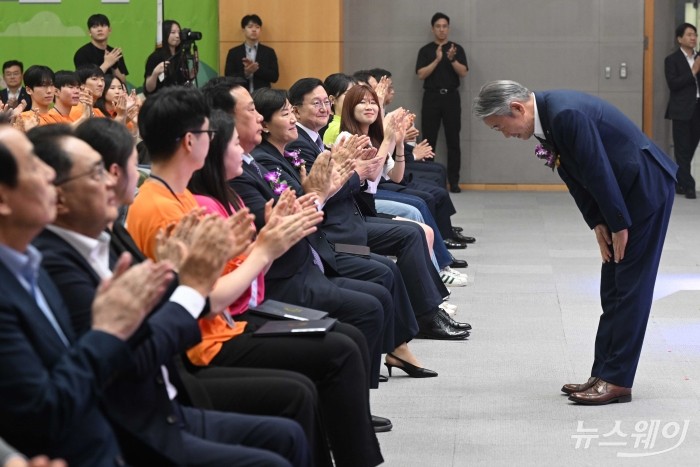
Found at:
<point>213,439</point>
<point>272,392</point>
<point>334,362</point>
<point>445,108</point>
<point>686,135</point>
<point>427,171</point>
<point>406,241</point>
<point>626,293</point>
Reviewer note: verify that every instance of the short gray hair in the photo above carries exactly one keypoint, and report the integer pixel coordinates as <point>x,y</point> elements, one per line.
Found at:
<point>495,98</point>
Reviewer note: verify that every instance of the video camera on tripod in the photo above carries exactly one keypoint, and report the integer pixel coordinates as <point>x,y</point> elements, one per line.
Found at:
<point>187,58</point>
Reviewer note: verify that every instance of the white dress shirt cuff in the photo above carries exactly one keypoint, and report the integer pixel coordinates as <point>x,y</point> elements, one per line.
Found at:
<point>189,299</point>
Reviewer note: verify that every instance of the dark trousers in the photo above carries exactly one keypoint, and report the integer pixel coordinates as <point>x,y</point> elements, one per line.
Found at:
<point>626,292</point>
<point>406,241</point>
<point>334,362</point>
<point>427,171</point>
<point>686,135</point>
<point>262,391</point>
<point>225,439</point>
<point>437,199</point>
<point>446,109</point>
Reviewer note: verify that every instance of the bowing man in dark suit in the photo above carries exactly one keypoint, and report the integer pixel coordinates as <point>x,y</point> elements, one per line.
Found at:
<point>253,61</point>
<point>51,381</point>
<point>681,69</point>
<point>623,185</point>
<point>143,404</point>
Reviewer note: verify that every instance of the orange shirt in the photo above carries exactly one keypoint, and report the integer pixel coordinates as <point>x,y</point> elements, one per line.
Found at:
<point>154,208</point>
<point>77,111</point>
<point>54,116</point>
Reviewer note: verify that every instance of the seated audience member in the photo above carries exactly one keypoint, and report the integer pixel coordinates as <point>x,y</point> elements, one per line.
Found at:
<point>253,391</point>
<point>51,381</point>
<point>344,224</point>
<point>38,80</point>
<point>336,85</point>
<point>278,130</point>
<point>97,52</point>
<point>164,67</point>
<point>306,275</point>
<point>117,104</point>
<point>15,93</point>
<point>174,124</point>
<point>77,257</point>
<point>252,61</point>
<point>361,116</point>
<point>92,81</point>
<point>67,95</point>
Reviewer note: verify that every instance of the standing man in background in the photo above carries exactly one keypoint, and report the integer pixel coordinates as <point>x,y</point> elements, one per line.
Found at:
<point>681,68</point>
<point>13,74</point>
<point>97,52</point>
<point>252,60</point>
<point>440,66</point>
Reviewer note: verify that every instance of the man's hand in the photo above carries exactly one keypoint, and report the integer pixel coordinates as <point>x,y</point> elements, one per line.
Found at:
<point>213,243</point>
<point>320,177</point>
<point>451,52</point>
<point>112,57</point>
<point>423,150</point>
<point>122,302</point>
<point>619,241</point>
<point>249,67</point>
<point>438,53</point>
<point>278,235</point>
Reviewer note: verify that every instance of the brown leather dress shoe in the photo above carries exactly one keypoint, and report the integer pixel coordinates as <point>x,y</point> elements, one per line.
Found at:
<point>602,393</point>
<point>572,388</point>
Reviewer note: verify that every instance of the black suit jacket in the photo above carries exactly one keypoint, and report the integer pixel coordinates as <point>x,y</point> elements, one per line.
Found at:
<point>683,87</point>
<point>49,394</point>
<point>267,73</point>
<point>22,96</point>
<point>138,404</point>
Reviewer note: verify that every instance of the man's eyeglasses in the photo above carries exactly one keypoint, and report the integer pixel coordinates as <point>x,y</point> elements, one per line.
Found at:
<point>97,173</point>
<point>211,134</point>
<point>318,104</point>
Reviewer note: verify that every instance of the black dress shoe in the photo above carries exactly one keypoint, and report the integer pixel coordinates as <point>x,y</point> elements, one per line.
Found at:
<point>439,328</point>
<point>453,245</point>
<point>381,424</point>
<point>453,323</point>
<point>383,379</point>
<point>455,188</point>
<point>461,238</point>
<point>680,190</point>
<point>690,193</point>
<point>458,263</point>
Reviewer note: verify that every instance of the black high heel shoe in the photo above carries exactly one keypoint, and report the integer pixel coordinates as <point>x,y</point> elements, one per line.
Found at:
<point>411,370</point>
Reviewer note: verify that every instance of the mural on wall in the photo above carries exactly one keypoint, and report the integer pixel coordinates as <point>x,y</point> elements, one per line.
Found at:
<point>49,32</point>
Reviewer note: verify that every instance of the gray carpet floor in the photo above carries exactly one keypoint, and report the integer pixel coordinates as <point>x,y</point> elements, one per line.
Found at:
<point>533,302</point>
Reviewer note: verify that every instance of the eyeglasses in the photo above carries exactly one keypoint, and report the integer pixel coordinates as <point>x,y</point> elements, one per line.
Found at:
<point>318,104</point>
<point>211,134</point>
<point>97,173</point>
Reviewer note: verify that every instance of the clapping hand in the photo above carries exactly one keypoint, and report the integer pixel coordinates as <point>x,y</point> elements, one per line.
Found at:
<point>423,150</point>
<point>112,57</point>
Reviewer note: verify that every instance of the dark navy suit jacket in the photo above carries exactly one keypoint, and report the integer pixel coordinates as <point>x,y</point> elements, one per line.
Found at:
<point>138,404</point>
<point>616,175</point>
<point>49,394</point>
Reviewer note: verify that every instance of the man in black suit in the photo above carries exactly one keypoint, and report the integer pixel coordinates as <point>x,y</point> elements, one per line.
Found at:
<point>345,223</point>
<point>14,94</point>
<point>50,381</point>
<point>76,248</point>
<point>681,69</point>
<point>623,185</point>
<point>253,61</point>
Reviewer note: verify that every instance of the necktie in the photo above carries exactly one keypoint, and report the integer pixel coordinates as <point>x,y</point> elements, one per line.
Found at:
<point>319,143</point>
<point>317,259</point>
<point>257,168</point>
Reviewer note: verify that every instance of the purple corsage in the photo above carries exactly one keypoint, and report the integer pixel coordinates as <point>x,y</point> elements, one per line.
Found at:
<point>551,159</point>
<point>274,178</point>
<point>294,159</point>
